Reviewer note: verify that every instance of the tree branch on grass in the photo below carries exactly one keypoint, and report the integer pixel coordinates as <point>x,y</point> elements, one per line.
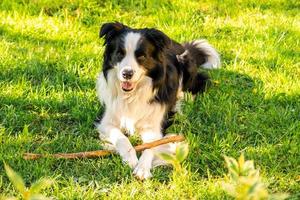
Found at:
<point>101,153</point>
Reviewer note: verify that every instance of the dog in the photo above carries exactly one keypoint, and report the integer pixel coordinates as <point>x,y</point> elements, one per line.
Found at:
<point>141,85</point>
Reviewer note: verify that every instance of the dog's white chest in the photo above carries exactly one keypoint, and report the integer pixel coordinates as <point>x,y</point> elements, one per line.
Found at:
<point>132,112</point>
<point>128,114</point>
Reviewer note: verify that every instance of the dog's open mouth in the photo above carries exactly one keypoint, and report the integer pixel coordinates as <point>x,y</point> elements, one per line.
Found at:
<point>127,86</point>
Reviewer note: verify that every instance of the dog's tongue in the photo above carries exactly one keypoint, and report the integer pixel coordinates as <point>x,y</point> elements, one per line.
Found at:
<point>127,85</point>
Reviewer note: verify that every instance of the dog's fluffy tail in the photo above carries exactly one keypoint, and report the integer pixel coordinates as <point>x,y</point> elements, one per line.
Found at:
<point>204,54</point>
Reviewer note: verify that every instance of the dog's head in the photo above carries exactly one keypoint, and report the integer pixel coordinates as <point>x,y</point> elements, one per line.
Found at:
<point>134,54</point>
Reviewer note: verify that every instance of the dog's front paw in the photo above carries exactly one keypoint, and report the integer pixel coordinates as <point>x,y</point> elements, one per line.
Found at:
<point>127,152</point>
<point>130,158</point>
<point>142,172</point>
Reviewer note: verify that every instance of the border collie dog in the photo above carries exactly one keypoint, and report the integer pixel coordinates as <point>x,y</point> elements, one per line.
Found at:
<point>142,81</point>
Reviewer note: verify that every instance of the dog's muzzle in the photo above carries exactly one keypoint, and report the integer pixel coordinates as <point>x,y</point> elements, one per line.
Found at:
<point>127,84</point>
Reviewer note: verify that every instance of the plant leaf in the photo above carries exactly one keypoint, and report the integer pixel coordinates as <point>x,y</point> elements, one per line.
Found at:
<point>279,196</point>
<point>241,161</point>
<point>39,185</point>
<point>167,157</point>
<point>15,178</point>
<point>248,166</point>
<point>7,198</point>
<point>182,152</point>
<point>25,130</point>
<point>232,164</point>
<point>229,188</point>
<point>38,197</point>
<point>233,168</point>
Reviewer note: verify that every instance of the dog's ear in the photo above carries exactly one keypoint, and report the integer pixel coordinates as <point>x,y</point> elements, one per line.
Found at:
<point>158,38</point>
<point>110,30</point>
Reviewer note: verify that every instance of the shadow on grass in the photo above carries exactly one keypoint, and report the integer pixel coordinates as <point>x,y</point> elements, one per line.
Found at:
<point>41,114</point>
<point>37,81</point>
<point>51,75</point>
<point>234,117</point>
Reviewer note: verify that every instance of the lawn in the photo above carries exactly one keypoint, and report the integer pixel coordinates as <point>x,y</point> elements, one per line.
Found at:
<point>51,54</point>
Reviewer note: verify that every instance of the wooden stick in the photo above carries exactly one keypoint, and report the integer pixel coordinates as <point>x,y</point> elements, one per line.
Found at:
<point>101,153</point>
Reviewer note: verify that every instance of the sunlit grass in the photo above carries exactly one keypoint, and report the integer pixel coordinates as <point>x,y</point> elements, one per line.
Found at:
<point>49,60</point>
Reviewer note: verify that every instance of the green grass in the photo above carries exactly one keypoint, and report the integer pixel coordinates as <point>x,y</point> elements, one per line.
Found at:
<point>50,55</point>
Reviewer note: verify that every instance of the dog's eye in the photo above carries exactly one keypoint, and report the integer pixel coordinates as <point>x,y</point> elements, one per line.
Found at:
<point>141,58</point>
<point>120,53</point>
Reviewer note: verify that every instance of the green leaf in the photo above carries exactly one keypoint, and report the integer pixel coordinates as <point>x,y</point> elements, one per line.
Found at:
<point>15,178</point>
<point>233,175</point>
<point>229,188</point>
<point>241,161</point>
<point>279,196</point>
<point>39,185</point>
<point>182,152</point>
<point>253,187</point>
<point>167,157</point>
<point>7,198</point>
<point>25,130</point>
<point>38,197</point>
<point>248,166</point>
<point>232,164</point>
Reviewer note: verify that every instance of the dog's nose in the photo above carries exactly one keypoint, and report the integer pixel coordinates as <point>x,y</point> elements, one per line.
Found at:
<point>127,74</point>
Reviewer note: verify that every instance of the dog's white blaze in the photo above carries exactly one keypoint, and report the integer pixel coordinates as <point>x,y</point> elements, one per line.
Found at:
<point>131,41</point>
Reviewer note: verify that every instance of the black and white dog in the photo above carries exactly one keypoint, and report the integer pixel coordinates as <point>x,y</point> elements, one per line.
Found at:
<point>143,79</point>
